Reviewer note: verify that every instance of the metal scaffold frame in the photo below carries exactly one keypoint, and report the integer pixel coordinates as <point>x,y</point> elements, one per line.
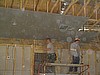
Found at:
<point>44,65</point>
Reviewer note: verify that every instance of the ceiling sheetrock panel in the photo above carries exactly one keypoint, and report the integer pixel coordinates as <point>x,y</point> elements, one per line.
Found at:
<point>85,37</point>
<point>15,23</point>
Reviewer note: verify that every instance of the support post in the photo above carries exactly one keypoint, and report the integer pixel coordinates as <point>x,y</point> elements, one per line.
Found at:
<point>32,60</point>
<point>14,65</point>
<point>23,60</point>
<point>6,60</point>
<point>95,63</point>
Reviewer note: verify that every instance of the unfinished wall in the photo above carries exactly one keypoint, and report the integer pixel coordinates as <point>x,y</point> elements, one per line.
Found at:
<point>98,63</point>
<point>15,60</point>
<point>65,58</point>
<point>89,57</point>
<point>19,59</point>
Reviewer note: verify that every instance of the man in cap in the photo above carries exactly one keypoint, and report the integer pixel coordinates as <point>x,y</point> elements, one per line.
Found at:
<point>75,54</point>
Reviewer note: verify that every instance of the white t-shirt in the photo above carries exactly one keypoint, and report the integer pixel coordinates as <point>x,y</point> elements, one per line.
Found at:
<point>50,45</point>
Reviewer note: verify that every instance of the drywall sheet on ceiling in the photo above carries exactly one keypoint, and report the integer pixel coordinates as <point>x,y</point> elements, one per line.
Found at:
<point>84,36</point>
<point>15,23</point>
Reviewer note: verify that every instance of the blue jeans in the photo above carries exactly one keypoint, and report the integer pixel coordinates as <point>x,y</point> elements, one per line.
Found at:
<point>75,60</point>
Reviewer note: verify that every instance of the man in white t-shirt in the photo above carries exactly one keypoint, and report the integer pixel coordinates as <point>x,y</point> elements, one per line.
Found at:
<point>51,56</point>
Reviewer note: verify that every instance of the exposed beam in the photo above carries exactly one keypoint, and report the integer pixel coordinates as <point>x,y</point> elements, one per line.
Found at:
<point>34,4</point>
<point>70,5</point>
<point>40,4</point>
<point>92,20</point>
<point>84,6</point>
<point>47,6</point>
<point>12,3</point>
<point>96,14</point>
<point>48,2</point>
<point>73,8</point>
<point>54,6</point>
<point>85,12</point>
<point>25,3</point>
<point>60,6</point>
<point>94,24</point>
<point>5,1</point>
<point>21,4</point>
<point>97,7</point>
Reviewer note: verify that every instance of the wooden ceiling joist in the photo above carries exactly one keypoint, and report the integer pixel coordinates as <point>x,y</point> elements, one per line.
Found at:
<point>5,1</point>
<point>92,20</point>
<point>54,6</point>
<point>70,5</point>
<point>36,2</point>
<point>40,4</point>
<point>25,3</point>
<point>21,4</point>
<point>48,2</point>
<point>88,1</point>
<point>94,24</point>
<point>73,9</point>
<point>97,7</point>
<point>12,3</point>
<point>34,5</point>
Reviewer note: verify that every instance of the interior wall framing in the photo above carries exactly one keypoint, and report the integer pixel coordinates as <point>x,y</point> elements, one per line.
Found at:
<point>19,58</point>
